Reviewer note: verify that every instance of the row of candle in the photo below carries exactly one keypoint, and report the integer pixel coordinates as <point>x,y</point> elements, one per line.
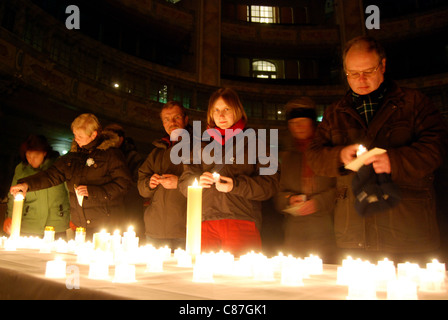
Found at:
<point>402,282</point>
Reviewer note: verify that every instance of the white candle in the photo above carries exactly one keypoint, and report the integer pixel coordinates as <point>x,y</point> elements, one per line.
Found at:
<point>116,241</point>
<point>292,272</point>
<point>194,219</point>
<point>56,269</point>
<point>124,273</point>
<point>402,289</point>
<point>129,240</point>
<point>101,240</point>
<point>99,270</point>
<point>17,215</point>
<point>361,150</point>
<point>385,272</point>
<point>313,265</point>
<point>203,269</point>
<point>216,176</point>
<point>80,236</point>
<point>49,234</point>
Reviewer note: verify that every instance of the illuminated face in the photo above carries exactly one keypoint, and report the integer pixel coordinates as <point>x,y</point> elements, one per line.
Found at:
<point>223,115</point>
<point>365,72</point>
<point>35,158</point>
<point>301,128</point>
<point>82,139</point>
<point>173,118</point>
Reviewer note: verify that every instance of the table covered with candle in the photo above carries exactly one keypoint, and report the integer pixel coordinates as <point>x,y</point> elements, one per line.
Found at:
<point>84,270</point>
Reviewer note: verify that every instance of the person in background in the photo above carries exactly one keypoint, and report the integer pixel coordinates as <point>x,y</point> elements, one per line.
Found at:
<point>133,202</point>
<point>376,112</point>
<point>42,208</point>
<point>231,204</point>
<point>165,216</point>
<point>309,199</point>
<point>97,178</point>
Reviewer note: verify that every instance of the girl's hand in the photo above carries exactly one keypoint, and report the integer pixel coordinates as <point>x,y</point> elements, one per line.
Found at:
<point>225,184</point>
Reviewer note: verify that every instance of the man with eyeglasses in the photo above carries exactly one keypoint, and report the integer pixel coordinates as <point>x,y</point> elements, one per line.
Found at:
<point>376,112</point>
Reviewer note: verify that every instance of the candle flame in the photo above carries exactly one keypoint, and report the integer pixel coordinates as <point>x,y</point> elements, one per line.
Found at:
<point>361,150</point>
<point>19,196</point>
<point>195,183</point>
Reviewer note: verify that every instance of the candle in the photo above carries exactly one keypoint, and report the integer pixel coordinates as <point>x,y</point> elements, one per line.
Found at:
<point>130,241</point>
<point>49,234</point>
<point>194,219</point>
<point>17,215</point>
<point>216,176</point>
<point>80,236</point>
<point>99,270</point>
<point>402,289</point>
<point>203,269</point>
<point>124,273</point>
<point>385,272</point>
<point>291,272</point>
<point>361,284</point>
<point>101,240</point>
<point>56,269</point>
<point>313,265</point>
<point>361,150</point>
<point>116,241</point>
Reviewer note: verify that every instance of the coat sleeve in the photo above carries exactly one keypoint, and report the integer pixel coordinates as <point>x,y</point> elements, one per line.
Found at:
<point>145,173</point>
<point>425,154</point>
<point>322,156</point>
<point>53,176</point>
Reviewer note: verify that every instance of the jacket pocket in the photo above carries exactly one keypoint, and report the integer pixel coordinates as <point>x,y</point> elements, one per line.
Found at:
<point>413,219</point>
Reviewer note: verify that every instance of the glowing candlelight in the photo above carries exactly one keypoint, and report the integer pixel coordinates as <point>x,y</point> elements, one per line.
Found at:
<point>402,289</point>
<point>99,270</point>
<point>17,215</point>
<point>49,234</point>
<point>216,176</point>
<point>361,150</point>
<point>291,272</point>
<point>385,272</point>
<point>80,236</point>
<point>130,241</point>
<point>203,269</point>
<point>56,269</point>
<point>124,273</point>
<point>101,240</point>
<point>194,219</point>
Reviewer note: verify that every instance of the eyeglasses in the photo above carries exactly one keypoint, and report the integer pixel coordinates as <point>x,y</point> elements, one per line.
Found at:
<point>367,73</point>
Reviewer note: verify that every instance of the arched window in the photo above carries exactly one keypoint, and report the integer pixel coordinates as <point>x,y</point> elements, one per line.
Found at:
<point>264,69</point>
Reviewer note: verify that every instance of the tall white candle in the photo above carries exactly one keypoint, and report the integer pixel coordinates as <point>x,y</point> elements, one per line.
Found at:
<point>17,215</point>
<point>194,219</point>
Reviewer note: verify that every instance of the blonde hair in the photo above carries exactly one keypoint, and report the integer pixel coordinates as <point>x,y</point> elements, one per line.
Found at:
<point>87,122</point>
<point>232,100</point>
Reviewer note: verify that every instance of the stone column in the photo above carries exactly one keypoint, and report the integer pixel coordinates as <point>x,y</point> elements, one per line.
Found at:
<point>209,42</point>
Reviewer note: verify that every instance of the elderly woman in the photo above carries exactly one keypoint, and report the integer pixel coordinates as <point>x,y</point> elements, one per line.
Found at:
<point>96,175</point>
<point>47,207</point>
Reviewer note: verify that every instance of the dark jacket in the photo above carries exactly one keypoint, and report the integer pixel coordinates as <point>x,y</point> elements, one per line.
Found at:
<point>313,233</point>
<point>250,188</point>
<point>100,167</point>
<point>412,131</point>
<point>165,217</point>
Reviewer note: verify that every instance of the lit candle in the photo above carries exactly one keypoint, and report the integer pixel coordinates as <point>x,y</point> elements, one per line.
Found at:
<point>194,219</point>
<point>216,176</point>
<point>56,269</point>
<point>124,273</point>
<point>99,270</point>
<point>203,269</point>
<point>80,236</point>
<point>49,234</point>
<point>361,150</point>
<point>313,265</point>
<point>291,272</point>
<point>116,241</point>
<point>385,272</point>
<point>130,241</point>
<point>17,215</point>
<point>101,240</point>
<point>402,289</point>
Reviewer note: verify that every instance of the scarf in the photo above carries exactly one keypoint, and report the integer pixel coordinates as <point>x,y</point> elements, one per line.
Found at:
<point>218,134</point>
<point>367,105</point>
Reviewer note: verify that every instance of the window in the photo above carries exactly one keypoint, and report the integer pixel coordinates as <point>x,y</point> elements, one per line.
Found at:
<point>262,14</point>
<point>61,52</point>
<point>264,69</point>
<point>158,92</point>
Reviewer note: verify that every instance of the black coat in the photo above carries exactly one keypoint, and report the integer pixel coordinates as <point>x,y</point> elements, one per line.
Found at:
<point>102,168</point>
